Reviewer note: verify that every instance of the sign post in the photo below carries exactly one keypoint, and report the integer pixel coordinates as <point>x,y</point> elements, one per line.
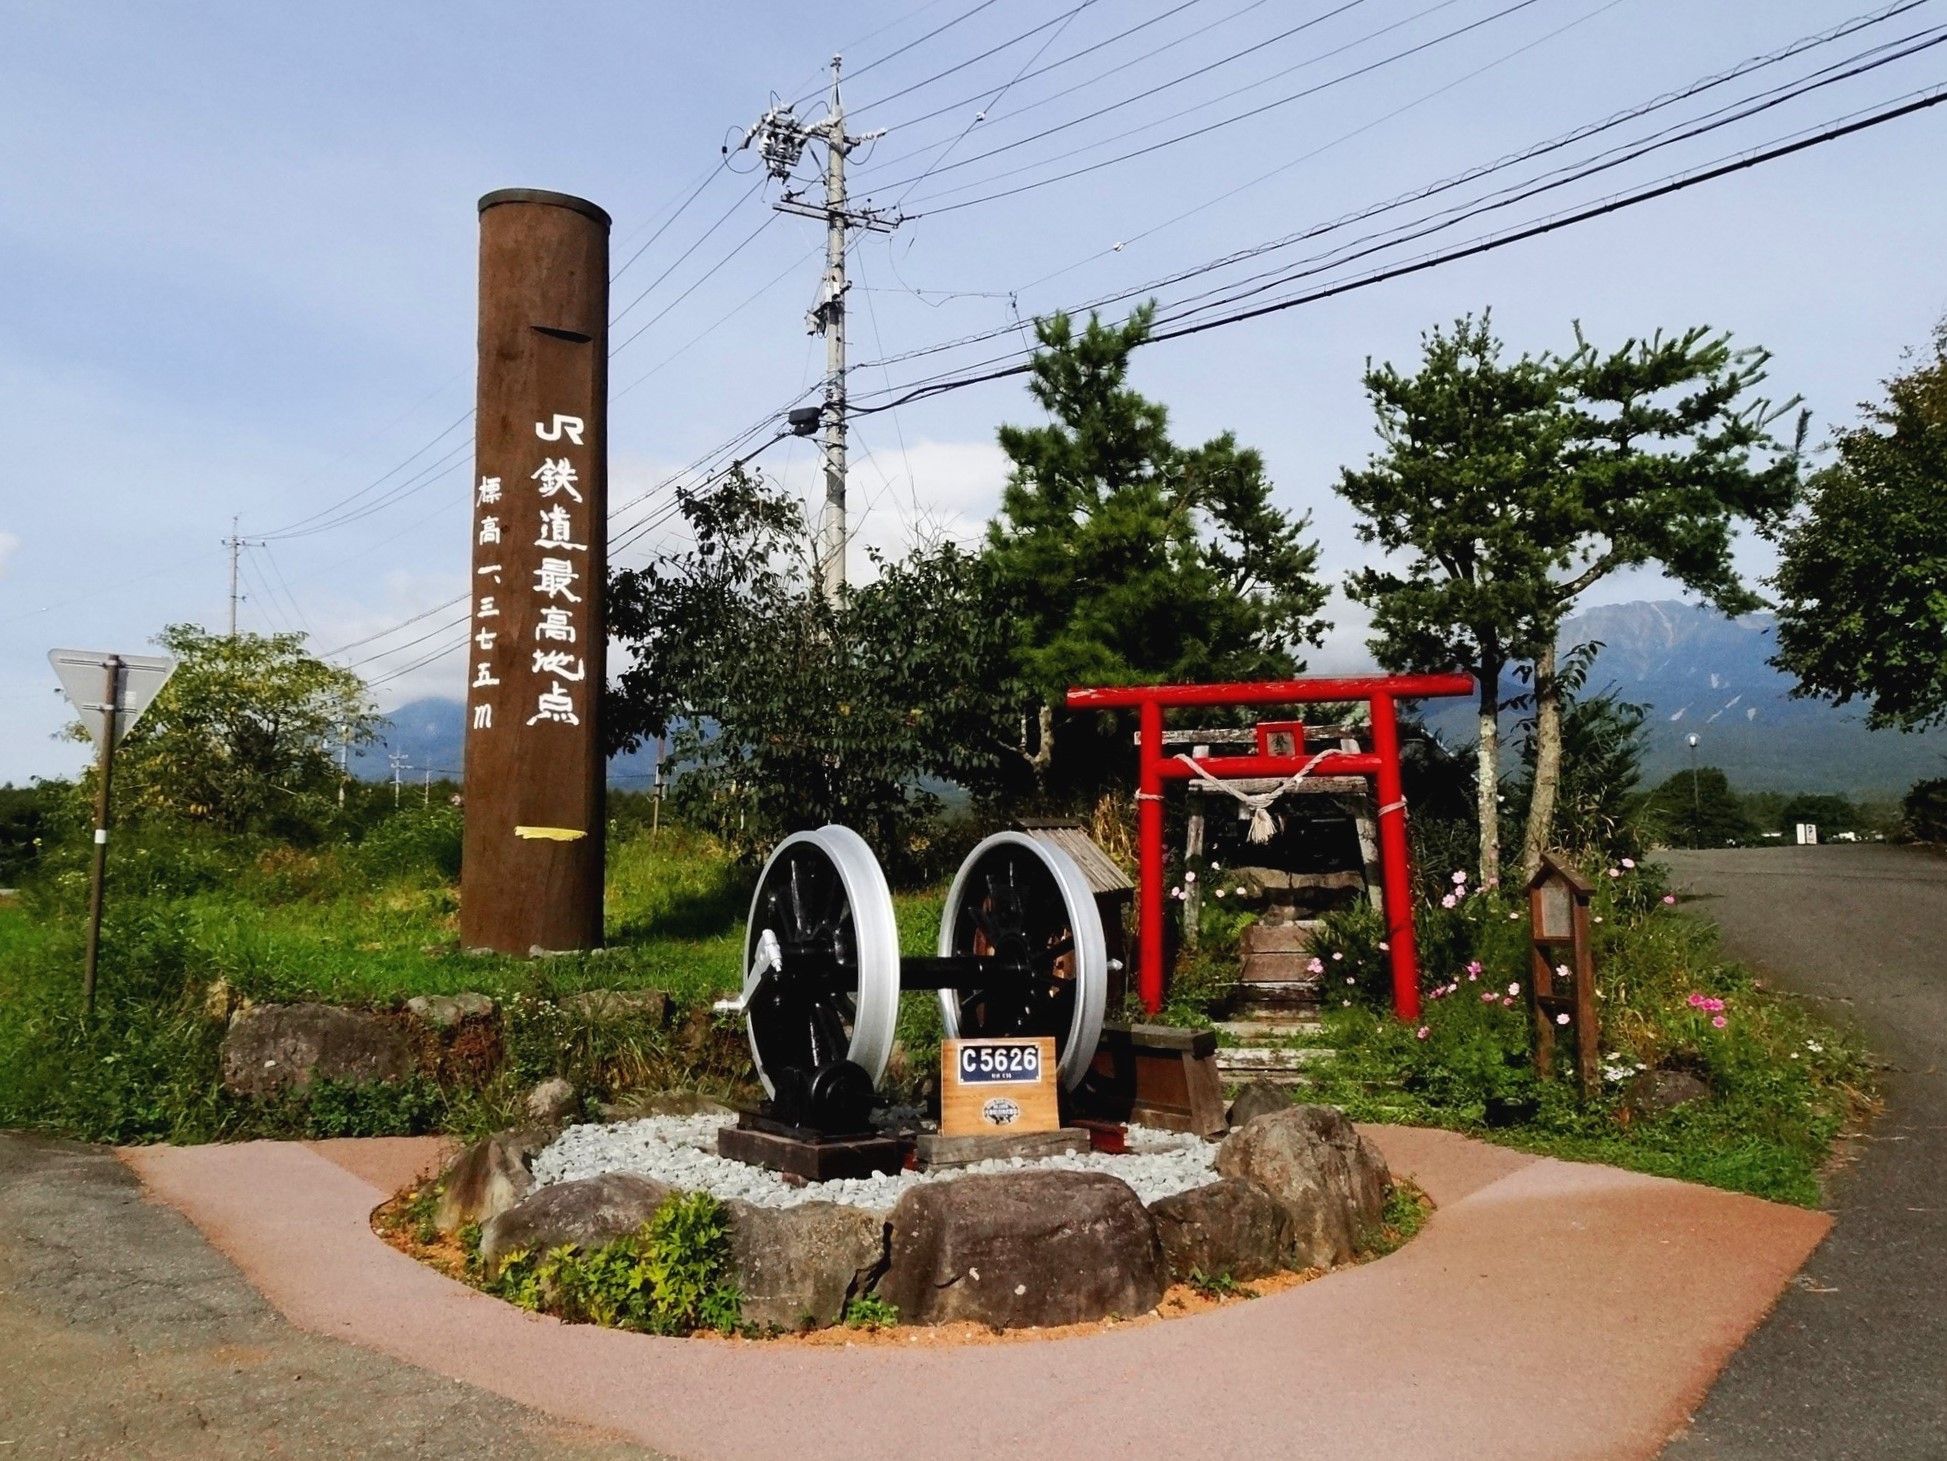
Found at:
<point>125,684</point>
<point>531,875</point>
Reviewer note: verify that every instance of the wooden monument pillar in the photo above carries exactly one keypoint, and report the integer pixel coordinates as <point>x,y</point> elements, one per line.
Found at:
<point>535,774</point>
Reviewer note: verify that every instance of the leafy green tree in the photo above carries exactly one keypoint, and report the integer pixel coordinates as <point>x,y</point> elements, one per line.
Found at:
<point>1654,452</point>
<point>1923,811</point>
<point>789,709</point>
<point>1698,810</point>
<point>1130,559</point>
<point>1602,766</point>
<point>245,735</point>
<point>1863,571</point>
<point>1470,460</point>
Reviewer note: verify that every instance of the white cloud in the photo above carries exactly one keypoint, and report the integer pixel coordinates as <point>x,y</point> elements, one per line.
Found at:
<point>8,542</point>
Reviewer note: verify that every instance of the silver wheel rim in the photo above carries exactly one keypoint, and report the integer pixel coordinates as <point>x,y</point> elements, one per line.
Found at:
<point>876,1007</point>
<point>1091,949</point>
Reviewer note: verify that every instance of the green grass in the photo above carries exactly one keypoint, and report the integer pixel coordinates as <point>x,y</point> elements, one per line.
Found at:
<point>1782,1083</point>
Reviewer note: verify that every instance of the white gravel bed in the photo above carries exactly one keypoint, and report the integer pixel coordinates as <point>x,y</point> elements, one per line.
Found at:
<point>682,1151</point>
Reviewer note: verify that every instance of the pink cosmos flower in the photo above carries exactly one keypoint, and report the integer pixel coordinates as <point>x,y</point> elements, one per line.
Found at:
<point>1615,872</point>
<point>1448,901</point>
<point>1316,966</point>
<point>1507,1003</point>
<point>1669,899</point>
<point>1719,1021</point>
<point>1473,966</point>
<point>1421,1033</point>
<point>1629,862</point>
<point>1460,877</point>
<point>1488,996</point>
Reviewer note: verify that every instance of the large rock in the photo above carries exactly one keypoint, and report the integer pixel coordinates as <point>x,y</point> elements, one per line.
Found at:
<point>584,1214</point>
<point>1656,1091</point>
<point>444,1011</point>
<point>489,1177</point>
<point>1021,1249</point>
<point>797,1266</point>
<point>552,1101</point>
<point>1331,1181</point>
<point>272,1048</point>
<point>1259,1098</point>
<point>1229,1228</point>
<point>635,1105</point>
<point>602,1005</point>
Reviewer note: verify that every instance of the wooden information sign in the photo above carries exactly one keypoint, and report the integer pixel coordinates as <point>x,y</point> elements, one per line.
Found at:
<point>998,1087</point>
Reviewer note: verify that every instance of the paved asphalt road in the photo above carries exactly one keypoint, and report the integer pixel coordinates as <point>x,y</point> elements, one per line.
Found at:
<point>1853,1362</point>
<point>122,1333</point>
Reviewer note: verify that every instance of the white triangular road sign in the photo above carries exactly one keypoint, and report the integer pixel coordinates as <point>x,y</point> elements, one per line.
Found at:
<point>84,675</point>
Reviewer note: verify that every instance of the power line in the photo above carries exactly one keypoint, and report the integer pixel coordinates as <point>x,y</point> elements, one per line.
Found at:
<point>1175,81</point>
<point>1056,65</point>
<point>1218,125</point>
<point>994,100</point>
<point>1446,184</point>
<point>910,45</point>
<point>1675,184</point>
<point>1008,44</point>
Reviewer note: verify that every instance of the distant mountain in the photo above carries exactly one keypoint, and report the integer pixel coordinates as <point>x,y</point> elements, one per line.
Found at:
<point>1696,670</point>
<point>1700,672</point>
<point>432,733</point>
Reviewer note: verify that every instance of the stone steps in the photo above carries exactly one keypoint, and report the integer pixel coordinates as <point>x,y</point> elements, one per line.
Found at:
<point>1280,1064</point>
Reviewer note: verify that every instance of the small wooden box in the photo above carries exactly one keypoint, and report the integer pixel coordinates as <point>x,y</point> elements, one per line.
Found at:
<point>1158,1075</point>
<point>998,1086</point>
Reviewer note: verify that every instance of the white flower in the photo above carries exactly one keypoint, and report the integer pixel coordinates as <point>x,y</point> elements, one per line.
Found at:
<point>1448,901</point>
<point>1190,877</point>
<point>1460,877</point>
<point>1815,1047</point>
<point>1629,862</point>
<point>1216,867</point>
<point>1336,956</point>
<point>1220,892</point>
<point>1562,1018</point>
<point>1514,988</point>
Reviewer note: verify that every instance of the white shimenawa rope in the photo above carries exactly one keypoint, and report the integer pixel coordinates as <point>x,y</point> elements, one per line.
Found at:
<point>1262,825</point>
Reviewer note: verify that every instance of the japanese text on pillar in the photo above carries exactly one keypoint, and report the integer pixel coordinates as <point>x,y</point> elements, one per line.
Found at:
<point>554,667</point>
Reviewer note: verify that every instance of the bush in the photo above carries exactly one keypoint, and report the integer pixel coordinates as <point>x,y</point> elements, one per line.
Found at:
<point>1923,811</point>
<point>1781,1084</point>
<point>414,845</point>
<point>670,1277</point>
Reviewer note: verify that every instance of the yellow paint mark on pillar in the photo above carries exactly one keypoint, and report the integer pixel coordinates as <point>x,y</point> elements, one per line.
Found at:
<point>550,834</point>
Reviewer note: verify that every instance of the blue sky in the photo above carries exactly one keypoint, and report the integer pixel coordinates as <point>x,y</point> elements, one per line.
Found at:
<point>238,241</point>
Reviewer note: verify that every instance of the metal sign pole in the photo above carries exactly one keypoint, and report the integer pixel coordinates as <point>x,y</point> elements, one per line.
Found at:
<point>110,703</point>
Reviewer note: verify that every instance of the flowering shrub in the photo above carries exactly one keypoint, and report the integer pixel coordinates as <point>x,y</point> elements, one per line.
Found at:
<point>1780,1085</point>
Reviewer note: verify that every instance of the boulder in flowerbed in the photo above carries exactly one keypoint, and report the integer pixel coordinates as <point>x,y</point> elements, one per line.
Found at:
<point>583,1214</point>
<point>1330,1180</point>
<point>1022,1249</point>
<point>1259,1098</point>
<point>444,1011</point>
<point>796,1267</point>
<point>489,1177</point>
<point>273,1048</point>
<point>1228,1228</point>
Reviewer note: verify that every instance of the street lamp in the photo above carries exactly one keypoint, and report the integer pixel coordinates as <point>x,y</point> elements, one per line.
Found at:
<point>1696,802</point>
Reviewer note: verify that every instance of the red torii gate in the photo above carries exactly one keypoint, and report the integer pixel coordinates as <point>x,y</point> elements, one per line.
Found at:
<point>1381,694</point>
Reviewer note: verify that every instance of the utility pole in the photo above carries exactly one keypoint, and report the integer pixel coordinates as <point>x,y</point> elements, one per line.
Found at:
<point>400,761</point>
<point>1696,801</point>
<point>427,799</point>
<point>236,544</point>
<point>781,139</point>
<point>344,761</point>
